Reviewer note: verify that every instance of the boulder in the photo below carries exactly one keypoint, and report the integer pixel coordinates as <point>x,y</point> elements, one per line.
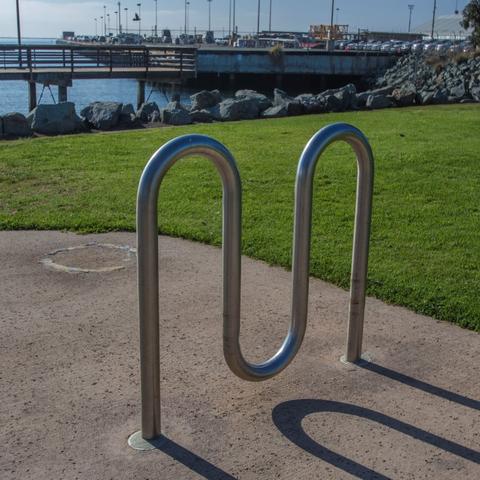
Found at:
<point>102,115</point>
<point>361,98</point>
<point>241,109</point>
<point>293,106</point>
<point>331,103</point>
<point>458,91</point>
<point>311,103</point>
<point>205,99</point>
<point>201,116</point>
<point>55,119</point>
<point>475,91</point>
<point>440,96</point>
<point>214,112</point>
<point>127,116</point>
<point>405,96</point>
<point>144,113</point>
<point>175,114</point>
<point>275,111</point>
<point>263,101</point>
<point>379,101</point>
<point>347,96</point>
<point>280,97</point>
<point>16,125</point>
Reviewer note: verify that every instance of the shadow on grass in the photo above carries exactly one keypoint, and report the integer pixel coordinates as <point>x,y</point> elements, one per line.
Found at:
<point>418,384</point>
<point>288,418</point>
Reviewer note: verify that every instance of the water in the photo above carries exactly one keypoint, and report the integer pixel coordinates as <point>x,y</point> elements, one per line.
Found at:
<point>14,94</point>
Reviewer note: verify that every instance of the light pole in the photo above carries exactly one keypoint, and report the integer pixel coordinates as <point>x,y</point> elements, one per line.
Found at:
<point>119,18</point>
<point>258,18</point>
<point>19,36</point>
<point>233,20</point>
<point>185,20</point>
<point>101,26</point>
<point>330,33</point>
<point>209,15</point>
<point>338,13</point>
<point>126,19</point>
<point>139,5</point>
<point>105,20</point>
<point>96,29</point>
<point>410,7</point>
<point>156,18</point>
<point>116,21</point>
<point>270,18</point>
<point>433,18</point>
<point>108,24</point>
<point>230,17</point>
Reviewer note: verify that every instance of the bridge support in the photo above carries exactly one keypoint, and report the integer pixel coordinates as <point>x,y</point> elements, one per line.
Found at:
<point>62,93</point>
<point>32,96</point>
<point>140,93</point>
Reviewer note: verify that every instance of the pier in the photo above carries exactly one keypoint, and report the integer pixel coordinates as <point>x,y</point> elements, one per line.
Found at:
<point>61,64</point>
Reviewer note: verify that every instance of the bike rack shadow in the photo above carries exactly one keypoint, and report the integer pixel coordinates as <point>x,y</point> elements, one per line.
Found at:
<point>191,460</point>
<point>420,385</point>
<point>288,417</point>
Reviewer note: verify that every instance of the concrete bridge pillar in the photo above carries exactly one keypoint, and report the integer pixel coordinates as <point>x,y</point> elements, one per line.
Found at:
<point>140,93</point>
<point>32,96</point>
<point>62,93</point>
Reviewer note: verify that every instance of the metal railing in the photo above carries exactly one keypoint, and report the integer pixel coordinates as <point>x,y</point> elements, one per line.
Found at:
<point>77,58</point>
<point>147,250</point>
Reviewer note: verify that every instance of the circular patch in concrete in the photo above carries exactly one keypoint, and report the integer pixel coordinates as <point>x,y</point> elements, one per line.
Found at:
<point>90,258</point>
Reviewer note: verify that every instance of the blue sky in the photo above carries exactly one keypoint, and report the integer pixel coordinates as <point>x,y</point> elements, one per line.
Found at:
<point>49,17</point>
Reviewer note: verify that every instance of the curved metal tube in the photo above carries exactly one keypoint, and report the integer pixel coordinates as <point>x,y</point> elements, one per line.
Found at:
<point>147,255</point>
<point>147,245</point>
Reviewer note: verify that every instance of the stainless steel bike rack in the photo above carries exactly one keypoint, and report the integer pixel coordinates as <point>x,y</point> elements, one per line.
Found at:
<point>147,251</point>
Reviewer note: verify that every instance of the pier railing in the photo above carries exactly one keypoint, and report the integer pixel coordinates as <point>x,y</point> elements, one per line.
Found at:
<point>91,58</point>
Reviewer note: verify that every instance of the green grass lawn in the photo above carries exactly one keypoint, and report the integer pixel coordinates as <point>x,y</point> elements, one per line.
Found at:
<point>425,243</point>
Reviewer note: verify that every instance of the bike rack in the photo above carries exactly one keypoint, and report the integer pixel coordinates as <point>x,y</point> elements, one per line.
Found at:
<point>147,250</point>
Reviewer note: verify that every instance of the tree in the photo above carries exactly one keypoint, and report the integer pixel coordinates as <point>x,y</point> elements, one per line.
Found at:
<point>471,19</point>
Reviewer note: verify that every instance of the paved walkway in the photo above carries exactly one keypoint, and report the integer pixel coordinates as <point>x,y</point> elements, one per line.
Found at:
<point>70,397</point>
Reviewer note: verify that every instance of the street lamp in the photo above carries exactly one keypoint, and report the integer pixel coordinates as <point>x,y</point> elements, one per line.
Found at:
<point>185,20</point>
<point>96,30</point>
<point>330,44</point>
<point>119,18</point>
<point>258,18</point>
<point>101,25</point>
<point>433,18</point>
<point>270,18</point>
<point>19,36</point>
<point>116,21</point>
<point>338,13</point>
<point>410,7</point>
<point>233,20</point>
<point>126,19</point>
<point>108,24</point>
<point>156,18</point>
<point>209,15</point>
<point>105,20</point>
<point>139,5</point>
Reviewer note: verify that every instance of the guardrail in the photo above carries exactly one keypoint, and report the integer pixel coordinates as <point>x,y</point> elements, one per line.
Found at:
<point>147,251</point>
<point>77,58</point>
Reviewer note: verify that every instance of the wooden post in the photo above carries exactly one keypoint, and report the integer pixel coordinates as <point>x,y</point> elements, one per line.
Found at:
<point>32,95</point>
<point>140,93</point>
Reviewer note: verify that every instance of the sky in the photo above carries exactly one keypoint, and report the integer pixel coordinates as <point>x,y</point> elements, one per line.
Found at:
<point>48,18</point>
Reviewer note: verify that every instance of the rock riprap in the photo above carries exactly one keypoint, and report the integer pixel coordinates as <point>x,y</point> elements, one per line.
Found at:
<point>55,119</point>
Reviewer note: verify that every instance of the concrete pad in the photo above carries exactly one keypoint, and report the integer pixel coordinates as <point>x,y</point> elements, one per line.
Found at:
<point>70,394</point>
